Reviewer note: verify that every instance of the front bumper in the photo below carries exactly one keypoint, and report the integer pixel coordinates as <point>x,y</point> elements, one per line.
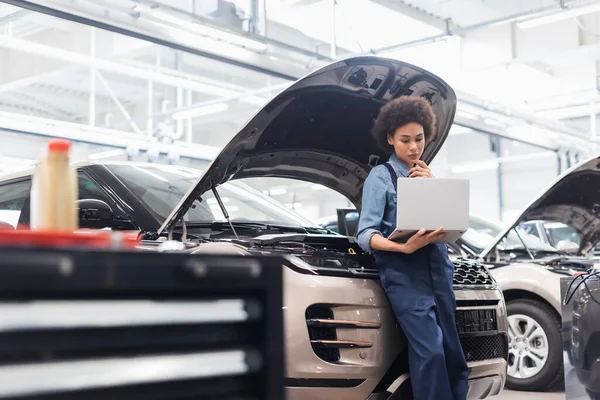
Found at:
<point>486,378</point>
<point>370,340</point>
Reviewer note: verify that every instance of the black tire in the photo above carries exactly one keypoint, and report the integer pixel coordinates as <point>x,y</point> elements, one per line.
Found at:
<point>553,371</point>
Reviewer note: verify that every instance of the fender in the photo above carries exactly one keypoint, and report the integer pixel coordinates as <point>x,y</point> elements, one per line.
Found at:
<point>532,278</point>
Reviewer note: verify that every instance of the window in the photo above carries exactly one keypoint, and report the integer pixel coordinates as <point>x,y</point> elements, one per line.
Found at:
<point>530,228</point>
<point>559,232</point>
<point>161,187</point>
<point>12,199</point>
<point>88,189</point>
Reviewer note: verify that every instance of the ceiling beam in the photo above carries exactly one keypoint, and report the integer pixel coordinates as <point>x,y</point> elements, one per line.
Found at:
<point>71,57</point>
<point>144,33</point>
<point>81,133</point>
<point>414,12</point>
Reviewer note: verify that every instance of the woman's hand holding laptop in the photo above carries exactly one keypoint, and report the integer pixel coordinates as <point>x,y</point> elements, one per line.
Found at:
<point>421,239</point>
<point>414,243</point>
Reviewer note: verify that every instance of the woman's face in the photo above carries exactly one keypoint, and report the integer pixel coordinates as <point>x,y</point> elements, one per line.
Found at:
<point>408,142</point>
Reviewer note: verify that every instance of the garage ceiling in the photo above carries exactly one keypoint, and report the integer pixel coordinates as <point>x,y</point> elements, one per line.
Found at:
<point>60,70</point>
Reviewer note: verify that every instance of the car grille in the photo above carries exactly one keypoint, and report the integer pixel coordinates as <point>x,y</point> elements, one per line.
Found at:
<point>471,273</point>
<point>476,321</point>
<point>477,329</point>
<point>479,348</point>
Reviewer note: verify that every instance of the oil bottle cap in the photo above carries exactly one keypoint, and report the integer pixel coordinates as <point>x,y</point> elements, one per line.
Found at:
<point>59,145</point>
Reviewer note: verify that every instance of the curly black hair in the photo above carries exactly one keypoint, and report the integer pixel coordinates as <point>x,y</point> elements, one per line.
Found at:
<point>399,112</point>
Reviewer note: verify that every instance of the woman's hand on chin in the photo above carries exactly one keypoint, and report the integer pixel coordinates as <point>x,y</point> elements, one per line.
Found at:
<point>421,170</point>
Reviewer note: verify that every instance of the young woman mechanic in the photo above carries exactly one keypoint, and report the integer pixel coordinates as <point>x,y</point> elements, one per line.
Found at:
<point>416,275</point>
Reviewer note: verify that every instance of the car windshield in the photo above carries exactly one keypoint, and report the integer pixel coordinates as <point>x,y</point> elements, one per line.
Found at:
<point>482,233</point>
<point>560,232</point>
<point>161,187</point>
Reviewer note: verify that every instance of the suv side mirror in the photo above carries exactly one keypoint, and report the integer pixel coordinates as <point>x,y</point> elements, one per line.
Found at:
<point>347,221</point>
<point>95,214</point>
<point>567,246</point>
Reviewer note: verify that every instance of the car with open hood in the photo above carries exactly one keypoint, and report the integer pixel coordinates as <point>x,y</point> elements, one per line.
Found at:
<point>341,336</point>
<point>528,270</point>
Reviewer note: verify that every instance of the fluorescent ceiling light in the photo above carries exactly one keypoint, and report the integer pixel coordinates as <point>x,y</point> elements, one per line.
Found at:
<point>456,130</point>
<point>491,121</point>
<point>467,114</point>
<point>169,18</point>
<point>205,43</point>
<point>210,31</point>
<point>106,154</point>
<point>201,111</point>
<point>229,37</point>
<point>559,16</point>
<point>571,112</point>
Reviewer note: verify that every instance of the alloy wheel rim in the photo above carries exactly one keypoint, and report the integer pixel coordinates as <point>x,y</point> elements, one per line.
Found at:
<point>527,348</point>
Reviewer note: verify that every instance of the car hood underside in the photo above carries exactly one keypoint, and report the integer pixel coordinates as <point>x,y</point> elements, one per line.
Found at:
<point>573,199</point>
<point>319,129</point>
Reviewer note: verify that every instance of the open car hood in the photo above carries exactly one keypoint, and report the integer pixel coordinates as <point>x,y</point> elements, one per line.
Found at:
<point>319,128</point>
<point>573,199</point>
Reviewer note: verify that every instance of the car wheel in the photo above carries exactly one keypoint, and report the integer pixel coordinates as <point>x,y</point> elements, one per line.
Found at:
<point>535,359</point>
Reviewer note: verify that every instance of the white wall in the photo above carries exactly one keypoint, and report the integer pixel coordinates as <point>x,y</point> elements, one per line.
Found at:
<point>522,180</point>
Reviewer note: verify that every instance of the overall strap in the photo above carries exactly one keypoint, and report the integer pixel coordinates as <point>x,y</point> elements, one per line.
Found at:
<point>393,175</point>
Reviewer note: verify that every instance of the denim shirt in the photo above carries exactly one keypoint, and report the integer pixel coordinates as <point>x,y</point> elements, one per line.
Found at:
<point>378,214</point>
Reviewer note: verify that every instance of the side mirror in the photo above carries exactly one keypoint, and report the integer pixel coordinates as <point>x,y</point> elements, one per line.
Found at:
<point>567,246</point>
<point>94,213</point>
<point>347,221</point>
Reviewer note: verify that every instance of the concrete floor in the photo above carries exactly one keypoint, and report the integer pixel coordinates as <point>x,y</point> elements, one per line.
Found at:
<point>573,388</point>
<point>512,395</point>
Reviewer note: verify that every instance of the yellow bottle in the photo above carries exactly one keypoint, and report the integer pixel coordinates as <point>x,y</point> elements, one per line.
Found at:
<point>54,190</point>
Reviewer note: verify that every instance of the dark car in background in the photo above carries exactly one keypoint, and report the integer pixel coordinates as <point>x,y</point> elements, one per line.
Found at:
<point>584,349</point>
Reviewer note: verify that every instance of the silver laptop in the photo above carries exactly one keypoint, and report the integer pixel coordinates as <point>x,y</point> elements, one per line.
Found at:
<point>431,203</point>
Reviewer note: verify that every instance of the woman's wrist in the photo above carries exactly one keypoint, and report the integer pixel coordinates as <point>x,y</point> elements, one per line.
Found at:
<point>378,242</point>
<point>404,248</point>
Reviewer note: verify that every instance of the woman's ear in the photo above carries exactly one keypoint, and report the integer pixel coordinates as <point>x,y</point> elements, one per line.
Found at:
<point>390,140</point>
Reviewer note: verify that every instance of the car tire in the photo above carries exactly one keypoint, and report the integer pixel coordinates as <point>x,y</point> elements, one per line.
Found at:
<point>553,370</point>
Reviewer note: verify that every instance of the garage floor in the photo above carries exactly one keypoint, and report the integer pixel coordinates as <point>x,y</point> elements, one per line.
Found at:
<point>573,388</point>
<point>511,395</point>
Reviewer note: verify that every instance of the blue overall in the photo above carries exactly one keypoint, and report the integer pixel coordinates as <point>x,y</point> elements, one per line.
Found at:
<point>419,287</point>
